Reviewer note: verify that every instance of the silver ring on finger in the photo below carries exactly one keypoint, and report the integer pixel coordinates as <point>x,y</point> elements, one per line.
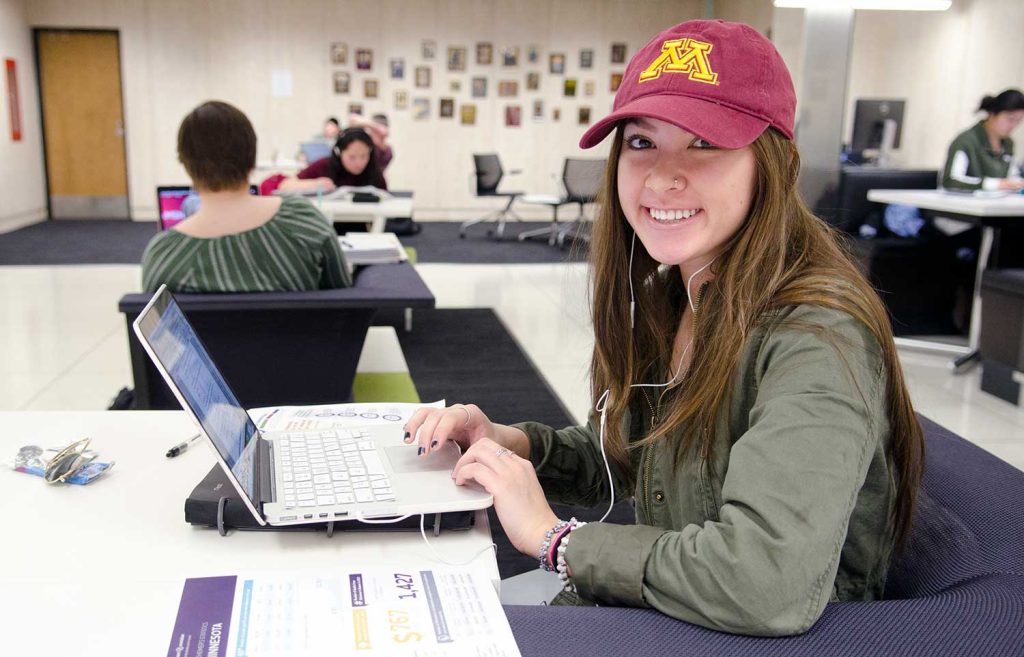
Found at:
<point>501,452</point>
<point>469,416</point>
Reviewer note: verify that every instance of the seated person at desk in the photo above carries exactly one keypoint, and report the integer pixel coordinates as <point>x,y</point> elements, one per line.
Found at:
<point>377,128</point>
<point>982,156</point>
<point>332,128</point>
<point>237,242</point>
<point>352,163</point>
<point>750,401</point>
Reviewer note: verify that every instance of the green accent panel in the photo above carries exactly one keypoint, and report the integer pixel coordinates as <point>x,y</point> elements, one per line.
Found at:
<point>410,252</point>
<point>371,387</point>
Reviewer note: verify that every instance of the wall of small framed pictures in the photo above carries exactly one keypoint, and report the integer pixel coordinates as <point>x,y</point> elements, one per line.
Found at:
<point>513,75</point>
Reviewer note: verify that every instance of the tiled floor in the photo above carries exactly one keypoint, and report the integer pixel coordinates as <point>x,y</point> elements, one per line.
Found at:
<point>62,342</point>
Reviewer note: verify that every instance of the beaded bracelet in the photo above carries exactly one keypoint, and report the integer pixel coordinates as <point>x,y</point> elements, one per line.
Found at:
<point>551,555</point>
<point>542,557</point>
<point>562,567</point>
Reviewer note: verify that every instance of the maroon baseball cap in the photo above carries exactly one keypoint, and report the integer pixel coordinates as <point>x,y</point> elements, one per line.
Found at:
<point>722,81</point>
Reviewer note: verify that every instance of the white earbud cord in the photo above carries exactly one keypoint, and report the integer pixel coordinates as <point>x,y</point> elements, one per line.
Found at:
<point>602,402</point>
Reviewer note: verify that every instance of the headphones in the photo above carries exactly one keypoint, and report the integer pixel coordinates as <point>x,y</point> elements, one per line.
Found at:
<point>602,402</point>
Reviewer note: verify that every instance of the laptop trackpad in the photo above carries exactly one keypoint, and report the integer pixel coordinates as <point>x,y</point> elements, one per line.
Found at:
<point>403,458</point>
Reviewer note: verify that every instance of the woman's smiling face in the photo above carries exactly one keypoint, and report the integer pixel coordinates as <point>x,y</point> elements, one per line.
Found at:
<point>683,197</point>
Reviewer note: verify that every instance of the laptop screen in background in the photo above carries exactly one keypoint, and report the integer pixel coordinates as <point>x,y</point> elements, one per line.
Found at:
<point>223,419</point>
<point>175,204</point>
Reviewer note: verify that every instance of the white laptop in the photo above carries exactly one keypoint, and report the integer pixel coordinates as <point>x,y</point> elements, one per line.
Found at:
<point>294,478</point>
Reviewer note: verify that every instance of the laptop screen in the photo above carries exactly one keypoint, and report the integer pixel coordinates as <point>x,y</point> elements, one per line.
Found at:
<point>175,344</point>
<point>179,202</point>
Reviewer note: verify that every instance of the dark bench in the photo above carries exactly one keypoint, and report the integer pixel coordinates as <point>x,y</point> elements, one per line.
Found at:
<point>278,348</point>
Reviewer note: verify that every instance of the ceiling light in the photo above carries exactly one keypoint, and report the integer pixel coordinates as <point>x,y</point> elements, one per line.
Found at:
<point>899,5</point>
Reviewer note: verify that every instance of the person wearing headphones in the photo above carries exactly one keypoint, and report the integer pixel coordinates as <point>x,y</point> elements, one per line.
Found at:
<point>982,156</point>
<point>749,397</point>
<point>352,163</point>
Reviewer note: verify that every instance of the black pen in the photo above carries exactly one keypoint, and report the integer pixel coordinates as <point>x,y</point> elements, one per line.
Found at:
<point>181,447</point>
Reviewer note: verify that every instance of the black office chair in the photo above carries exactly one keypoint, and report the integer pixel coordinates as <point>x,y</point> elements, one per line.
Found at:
<point>581,179</point>
<point>488,174</point>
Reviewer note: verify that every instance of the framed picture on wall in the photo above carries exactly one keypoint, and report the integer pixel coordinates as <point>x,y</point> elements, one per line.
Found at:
<point>428,49</point>
<point>364,59</point>
<point>370,88</point>
<point>584,116</point>
<point>456,58</point>
<point>587,58</point>
<point>479,89</point>
<point>588,88</point>
<point>513,116</point>
<point>570,87</point>
<point>342,82</point>
<point>467,114</point>
<point>397,68</point>
<point>455,86</point>
<point>355,108</point>
<point>538,110</point>
<point>420,109</point>
<point>533,54</point>
<point>556,63</point>
<point>533,81</point>
<point>447,108</point>
<point>508,88</point>
<point>618,53</point>
<point>401,99</point>
<point>510,56</point>
<point>422,77</point>
<point>556,114</point>
<point>616,80</point>
<point>339,53</point>
<point>484,53</point>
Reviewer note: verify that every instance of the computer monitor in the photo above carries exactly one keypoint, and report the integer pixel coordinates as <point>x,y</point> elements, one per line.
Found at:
<point>869,120</point>
<point>175,203</point>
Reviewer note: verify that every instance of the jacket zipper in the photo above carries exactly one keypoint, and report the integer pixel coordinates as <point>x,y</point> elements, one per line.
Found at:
<point>649,456</point>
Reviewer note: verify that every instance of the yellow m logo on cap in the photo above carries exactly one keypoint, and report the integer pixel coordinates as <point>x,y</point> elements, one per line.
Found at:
<point>682,56</point>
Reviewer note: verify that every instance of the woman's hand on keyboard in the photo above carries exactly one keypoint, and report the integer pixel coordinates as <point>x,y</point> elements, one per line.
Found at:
<point>431,428</point>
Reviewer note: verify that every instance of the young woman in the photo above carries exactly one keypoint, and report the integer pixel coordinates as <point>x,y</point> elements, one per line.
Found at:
<point>237,242</point>
<point>748,392</point>
<point>982,157</point>
<point>353,162</point>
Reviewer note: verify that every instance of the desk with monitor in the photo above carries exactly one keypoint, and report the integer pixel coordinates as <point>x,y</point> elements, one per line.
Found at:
<point>98,569</point>
<point>990,213</point>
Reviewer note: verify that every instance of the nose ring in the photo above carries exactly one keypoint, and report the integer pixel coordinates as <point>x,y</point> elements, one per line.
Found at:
<point>675,182</point>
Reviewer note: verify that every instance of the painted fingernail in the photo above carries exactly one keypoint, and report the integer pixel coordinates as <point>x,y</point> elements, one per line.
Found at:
<point>433,444</point>
<point>419,452</point>
<point>408,438</point>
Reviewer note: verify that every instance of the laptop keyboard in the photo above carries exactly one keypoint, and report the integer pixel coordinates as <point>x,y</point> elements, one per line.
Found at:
<point>322,468</point>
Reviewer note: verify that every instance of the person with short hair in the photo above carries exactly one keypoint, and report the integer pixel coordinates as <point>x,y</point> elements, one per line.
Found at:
<point>332,128</point>
<point>981,157</point>
<point>237,242</point>
<point>352,163</point>
<point>748,394</point>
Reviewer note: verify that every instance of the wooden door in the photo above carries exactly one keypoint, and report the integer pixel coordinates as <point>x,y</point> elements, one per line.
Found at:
<point>83,123</point>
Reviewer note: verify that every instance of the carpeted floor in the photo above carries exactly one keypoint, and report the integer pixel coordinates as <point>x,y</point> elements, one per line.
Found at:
<point>467,355</point>
<point>90,242</point>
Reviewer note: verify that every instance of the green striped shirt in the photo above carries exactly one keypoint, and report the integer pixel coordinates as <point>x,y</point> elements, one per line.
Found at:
<point>296,250</point>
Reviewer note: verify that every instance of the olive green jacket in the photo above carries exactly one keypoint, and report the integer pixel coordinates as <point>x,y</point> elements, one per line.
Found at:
<point>790,510</point>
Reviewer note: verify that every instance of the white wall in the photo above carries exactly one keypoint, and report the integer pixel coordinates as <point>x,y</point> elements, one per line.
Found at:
<point>942,63</point>
<point>178,54</point>
<point>22,186</point>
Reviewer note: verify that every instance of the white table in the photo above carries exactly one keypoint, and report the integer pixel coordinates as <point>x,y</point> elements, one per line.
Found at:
<point>373,213</point>
<point>990,213</point>
<point>98,569</point>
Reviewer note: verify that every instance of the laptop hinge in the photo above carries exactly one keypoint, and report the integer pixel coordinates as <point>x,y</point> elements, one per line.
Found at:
<point>264,471</point>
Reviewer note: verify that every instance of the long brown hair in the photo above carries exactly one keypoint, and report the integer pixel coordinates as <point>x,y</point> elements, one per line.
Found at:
<point>782,255</point>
